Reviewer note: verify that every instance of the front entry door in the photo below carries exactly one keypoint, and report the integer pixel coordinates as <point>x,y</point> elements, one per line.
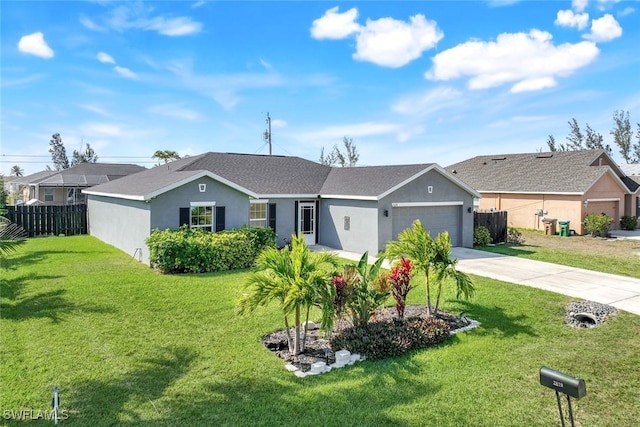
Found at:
<point>307,221</point>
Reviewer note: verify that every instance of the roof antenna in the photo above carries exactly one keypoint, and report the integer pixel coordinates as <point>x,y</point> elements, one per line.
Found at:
<point>267,133</point>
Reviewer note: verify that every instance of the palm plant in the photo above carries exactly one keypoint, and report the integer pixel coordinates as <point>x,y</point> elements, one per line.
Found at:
<point>416,244</point>
<point>295,278</point>
<point>445,268</point>
<point>11,236</point>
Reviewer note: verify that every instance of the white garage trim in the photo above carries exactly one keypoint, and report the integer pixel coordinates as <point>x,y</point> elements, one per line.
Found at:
<point>425,204</point>
<point>613,199</point>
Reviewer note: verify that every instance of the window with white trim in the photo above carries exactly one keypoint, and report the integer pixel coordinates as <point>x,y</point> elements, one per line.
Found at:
<point>48,194</point>
<point>258,213</point>
<point>202,215</point>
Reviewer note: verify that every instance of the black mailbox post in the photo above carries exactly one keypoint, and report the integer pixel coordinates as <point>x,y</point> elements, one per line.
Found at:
<point>566,384</point>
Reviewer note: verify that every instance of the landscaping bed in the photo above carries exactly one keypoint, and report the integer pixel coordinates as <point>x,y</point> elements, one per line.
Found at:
<point>318,348</point>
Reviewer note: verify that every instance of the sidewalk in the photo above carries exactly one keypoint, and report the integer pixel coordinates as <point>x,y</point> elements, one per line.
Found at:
<point>618,291</point>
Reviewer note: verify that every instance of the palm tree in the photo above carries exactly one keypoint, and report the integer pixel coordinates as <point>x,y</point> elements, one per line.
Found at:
<point>445,268</point>
<point>292,276</point>
<point>16,171</point>
<point>416,244</point>
<point>11,236</point>
<point>166,155</point>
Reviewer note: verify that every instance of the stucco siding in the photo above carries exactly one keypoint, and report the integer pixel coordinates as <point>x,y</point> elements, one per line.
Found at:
<point>433,188</point>
<point>350,225</point>
<point>166,207</point>
<point>121,223</point>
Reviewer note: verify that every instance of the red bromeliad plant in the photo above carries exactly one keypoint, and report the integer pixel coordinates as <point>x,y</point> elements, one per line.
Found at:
<point>401,284</point>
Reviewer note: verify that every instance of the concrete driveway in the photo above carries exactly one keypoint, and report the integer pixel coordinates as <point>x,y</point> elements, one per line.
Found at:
<point>618,291</point>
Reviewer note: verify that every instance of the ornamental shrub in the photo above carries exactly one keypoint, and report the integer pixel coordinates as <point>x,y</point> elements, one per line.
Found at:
<point>481,236</point>
<point>514,236</point>
<point>597,225</point>
<point>628,222</point>
<point>186,250</point>
<point>379,340</point>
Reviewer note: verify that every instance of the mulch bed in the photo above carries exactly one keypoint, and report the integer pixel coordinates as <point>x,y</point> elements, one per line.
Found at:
<point>318,348</point>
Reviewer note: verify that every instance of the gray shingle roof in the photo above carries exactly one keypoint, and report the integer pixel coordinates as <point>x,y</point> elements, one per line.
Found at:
<point>551,172</point>
<point>264,176</point>
<point>369,181</point>
<point>83,174</point>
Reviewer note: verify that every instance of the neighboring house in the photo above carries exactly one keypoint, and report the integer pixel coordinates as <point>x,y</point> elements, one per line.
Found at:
<point>64,187</point>
<point>564,185</point>
<point>356,209</point>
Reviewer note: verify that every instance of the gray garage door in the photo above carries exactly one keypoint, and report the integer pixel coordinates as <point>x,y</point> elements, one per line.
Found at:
<point>435,219</point>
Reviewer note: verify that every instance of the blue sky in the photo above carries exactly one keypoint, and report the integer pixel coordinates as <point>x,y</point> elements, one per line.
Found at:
<point>410,82</point>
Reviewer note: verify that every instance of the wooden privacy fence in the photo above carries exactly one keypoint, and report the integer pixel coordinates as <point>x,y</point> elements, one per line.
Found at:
<point>496,223</point>
<point>50,220</point>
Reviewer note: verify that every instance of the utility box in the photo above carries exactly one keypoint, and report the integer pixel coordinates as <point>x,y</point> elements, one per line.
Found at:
<point>564,228</point>
<point>550,226</point>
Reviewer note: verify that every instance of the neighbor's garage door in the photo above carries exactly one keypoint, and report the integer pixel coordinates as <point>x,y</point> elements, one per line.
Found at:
<point>435,219</point>
<point>610,208</point>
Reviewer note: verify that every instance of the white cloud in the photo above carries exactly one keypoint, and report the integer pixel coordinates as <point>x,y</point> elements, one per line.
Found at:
<point>267,66</point>
<point>198,4</point>
<point>533,84</point>
<point>125,72</point>
<point>96,109</point>
<point>105,58</point>
<point>90,25</point>
<point>579,5</point>
<point>392,43</point>
<point>136,15</point>
<point>356,130</point>
<point>626,11</point>
<point>34,44</point>
<point>428,102</point>
<point>100,129</point>
<point>528,60</point>
<point>180,26</point>
<point>335,25</point>
<point>175,111</point>
<point>604,29</point>
<point>567,18</point>
<point>278,123</point>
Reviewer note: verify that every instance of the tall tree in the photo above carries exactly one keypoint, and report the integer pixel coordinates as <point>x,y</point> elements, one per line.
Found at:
<point>594,140</point>
<point>575,137</point>
<point>16,171</point>
<point>622,134</point>
<point>348,158</point>
<point>636,148</point>
<point>86,156</point>
<point>551,142</point>
<point>58,153</point>
<point>165,155</point>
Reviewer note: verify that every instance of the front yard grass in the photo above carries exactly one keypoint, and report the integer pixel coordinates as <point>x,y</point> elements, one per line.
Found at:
<point>128,346</point>
<point>615,256</point>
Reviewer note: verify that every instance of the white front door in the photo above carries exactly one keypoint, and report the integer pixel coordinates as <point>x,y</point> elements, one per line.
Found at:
<point>307,221</point>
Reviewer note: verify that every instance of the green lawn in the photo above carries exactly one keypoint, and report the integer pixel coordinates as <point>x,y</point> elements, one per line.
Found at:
<point>620,257</point>
<point>128,346</point>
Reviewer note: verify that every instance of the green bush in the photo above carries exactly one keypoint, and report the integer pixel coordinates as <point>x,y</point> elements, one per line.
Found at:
<point>379,340</point>
<point>628,222</point>
<point>597,225</point>
<point>186,250</point>
<point>481,236</point>
<point>514,236</point>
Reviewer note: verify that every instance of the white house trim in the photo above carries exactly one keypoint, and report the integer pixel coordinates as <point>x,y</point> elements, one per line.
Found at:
<point>425,204</point>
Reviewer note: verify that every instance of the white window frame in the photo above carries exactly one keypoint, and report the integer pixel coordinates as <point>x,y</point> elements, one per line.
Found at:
<point>259,222</point>
<point>49,192</point>
<point>206,226</point>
